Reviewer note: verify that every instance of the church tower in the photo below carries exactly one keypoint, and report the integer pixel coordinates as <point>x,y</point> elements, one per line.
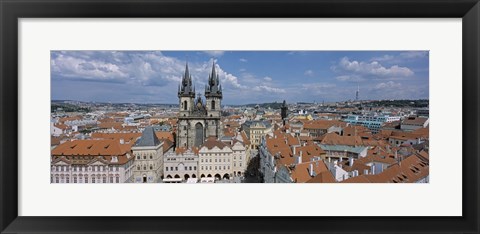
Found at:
<point>198,120</point>
<point>284,110</point>
<point>213,94</point>
<point>186,94</point>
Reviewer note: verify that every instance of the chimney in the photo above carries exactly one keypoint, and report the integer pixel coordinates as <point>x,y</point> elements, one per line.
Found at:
<point>294,149</point>
<point>373,169</point>
<point>298,159</point>
<point>311,169</point>
<point>365,171</point>
<point>341,159</point>
<point>350,161</point>
<point>122,141</point>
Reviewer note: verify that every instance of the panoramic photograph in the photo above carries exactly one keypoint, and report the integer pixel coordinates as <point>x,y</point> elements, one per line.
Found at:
<point>206,117</point>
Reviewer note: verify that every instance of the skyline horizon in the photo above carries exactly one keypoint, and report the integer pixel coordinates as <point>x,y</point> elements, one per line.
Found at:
<point>246,76</point>
<point>229,104</point>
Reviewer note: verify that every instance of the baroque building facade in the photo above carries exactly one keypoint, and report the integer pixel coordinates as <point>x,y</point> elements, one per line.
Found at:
<point>148,152</point>
<point>198,119</point>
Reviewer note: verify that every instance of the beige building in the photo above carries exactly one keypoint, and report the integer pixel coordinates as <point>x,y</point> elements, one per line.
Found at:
<point>241,157</point>
<point>216,159</point>
<point>180,165</point>
<point>91,161</point>
<point>148,152</point>
<point>255,130</point>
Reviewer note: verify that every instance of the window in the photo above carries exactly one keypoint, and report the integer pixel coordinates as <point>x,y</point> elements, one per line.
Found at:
<point>93,179</point>
<point>138,157</point>
<point>151,157</point>
<point>104,179</point>
<point>144,157</point>
<point>86,179</point>
<point>56,180</point>
<point>166,168</point>
<point>195,168</point>
<point>111,179</point>
<point>176,168</point>
<point>117,180</point>
<point>213,105</point>
<point>151,167</point>
<point>190,168</point>
<point>171,168</point>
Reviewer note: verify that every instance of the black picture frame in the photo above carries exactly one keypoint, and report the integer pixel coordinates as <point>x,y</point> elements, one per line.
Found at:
<point>11,11</point>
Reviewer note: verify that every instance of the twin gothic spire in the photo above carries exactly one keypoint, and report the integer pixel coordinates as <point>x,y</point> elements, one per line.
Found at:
<point>212,89</point>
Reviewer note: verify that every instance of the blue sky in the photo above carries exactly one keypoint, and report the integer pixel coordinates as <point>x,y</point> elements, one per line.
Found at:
<point>246,76</point>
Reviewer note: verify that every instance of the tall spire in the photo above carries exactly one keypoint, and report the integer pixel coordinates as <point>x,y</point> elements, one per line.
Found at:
<point>213,76</point>
<point>213,88</point>
<point>356,94</point>
<point>187,74</point>
<point>186,85</point>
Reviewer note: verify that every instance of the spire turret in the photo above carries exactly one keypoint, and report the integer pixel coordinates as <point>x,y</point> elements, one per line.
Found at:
<point>213,88</point>
<point>186,86</point>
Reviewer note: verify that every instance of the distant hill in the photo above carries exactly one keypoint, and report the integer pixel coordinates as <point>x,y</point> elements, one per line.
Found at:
<point>272,105</point>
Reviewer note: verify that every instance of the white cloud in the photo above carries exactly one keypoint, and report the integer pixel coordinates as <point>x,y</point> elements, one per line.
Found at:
<point>414,54</point>
<point>317,88</point>
<point>383,58</point>
<point>72,67</point>
<point>353,78</point>
<point>243,60</point>
<point>215,53</point>
<point>402,57</point>
<point>388,85</point>
<point>374,69</point>
<point>267,78</point>
<point>308,73</point>
<point>264,88</point>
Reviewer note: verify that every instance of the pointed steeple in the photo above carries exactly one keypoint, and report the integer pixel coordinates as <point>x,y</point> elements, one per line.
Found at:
<point>213,70</point>
<point>186,85</point>
<point>213,88</point>
<point>187,73</point>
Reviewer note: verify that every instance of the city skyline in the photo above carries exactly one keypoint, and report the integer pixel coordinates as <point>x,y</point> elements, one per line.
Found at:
<point>247,76</point>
